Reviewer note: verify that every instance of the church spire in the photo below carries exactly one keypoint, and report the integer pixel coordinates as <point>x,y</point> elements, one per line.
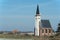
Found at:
<point>37,11</point>
<point>37,22</point>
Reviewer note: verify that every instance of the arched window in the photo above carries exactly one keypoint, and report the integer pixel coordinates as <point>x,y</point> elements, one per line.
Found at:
<point>49,31</point>
<point>42,30</point>
<point>46,30</point>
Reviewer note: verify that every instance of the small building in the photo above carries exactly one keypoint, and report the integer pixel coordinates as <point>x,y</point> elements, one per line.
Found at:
<point>45,28</point>
<point>15,31</point>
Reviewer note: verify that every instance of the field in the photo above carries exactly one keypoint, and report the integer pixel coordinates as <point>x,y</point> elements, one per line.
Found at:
<point>14,36</point>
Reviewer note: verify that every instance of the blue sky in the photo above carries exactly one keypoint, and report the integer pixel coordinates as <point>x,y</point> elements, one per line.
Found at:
<point>19,14</point>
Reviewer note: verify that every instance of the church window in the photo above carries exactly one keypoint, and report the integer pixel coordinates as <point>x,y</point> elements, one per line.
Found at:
<point>49,31</point>
<point>46,30</point>
<point>42,30</point>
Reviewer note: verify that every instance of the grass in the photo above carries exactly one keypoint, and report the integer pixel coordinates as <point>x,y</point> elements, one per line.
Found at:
<point>17,36</point>
<point>14,36</point>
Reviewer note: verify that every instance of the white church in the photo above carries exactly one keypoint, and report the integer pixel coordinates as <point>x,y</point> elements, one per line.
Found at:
<point>42,27</point>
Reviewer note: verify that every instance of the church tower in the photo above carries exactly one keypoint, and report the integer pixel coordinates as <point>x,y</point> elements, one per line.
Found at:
<point>37,20</point>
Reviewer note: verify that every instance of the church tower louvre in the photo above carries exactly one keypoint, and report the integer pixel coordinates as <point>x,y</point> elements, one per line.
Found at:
<point>37,20</point>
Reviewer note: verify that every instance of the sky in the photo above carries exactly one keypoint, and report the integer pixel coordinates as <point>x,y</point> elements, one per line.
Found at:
<point>20,14</point>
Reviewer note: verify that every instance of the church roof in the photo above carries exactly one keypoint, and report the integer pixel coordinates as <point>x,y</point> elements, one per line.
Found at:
<point>45,24</point>
<point>37,11</point>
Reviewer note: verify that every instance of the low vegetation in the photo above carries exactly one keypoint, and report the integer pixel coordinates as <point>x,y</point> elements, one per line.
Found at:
<point>14,36</point>
<point>55,37</point>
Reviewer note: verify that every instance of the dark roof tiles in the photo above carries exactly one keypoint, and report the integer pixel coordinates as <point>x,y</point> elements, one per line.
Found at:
<point>45,24</point>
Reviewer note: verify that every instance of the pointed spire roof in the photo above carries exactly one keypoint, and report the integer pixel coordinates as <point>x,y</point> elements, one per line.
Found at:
<point>37,11</point>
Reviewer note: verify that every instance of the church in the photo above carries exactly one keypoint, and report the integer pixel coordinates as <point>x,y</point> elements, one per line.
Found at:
<point>42,27</point>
